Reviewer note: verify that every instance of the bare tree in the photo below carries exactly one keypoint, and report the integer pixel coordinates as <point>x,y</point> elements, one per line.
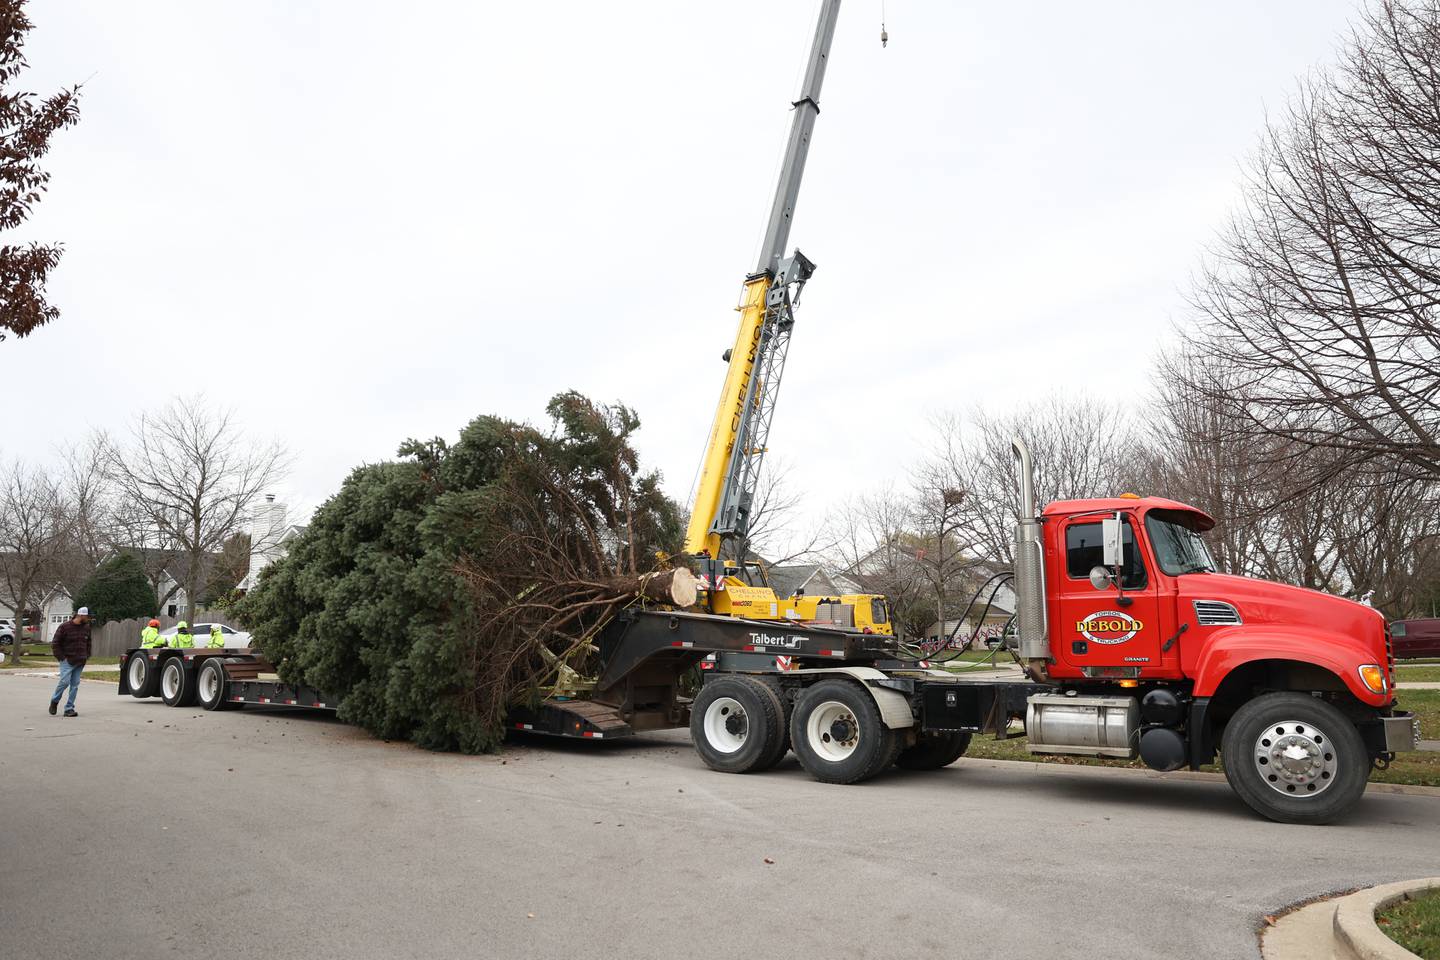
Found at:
<point>93,532</point>
<point>1324,292</point>
<point>778,528</point>
<point>943,540</point>
<point>35,525</point>
<point>1289,512</point>
<point>190,478</point>
<point>1082,449</point>
<point>872,542</point>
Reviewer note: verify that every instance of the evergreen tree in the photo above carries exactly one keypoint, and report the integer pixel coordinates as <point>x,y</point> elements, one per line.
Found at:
<point>118,590</point>
<point>370,604</point>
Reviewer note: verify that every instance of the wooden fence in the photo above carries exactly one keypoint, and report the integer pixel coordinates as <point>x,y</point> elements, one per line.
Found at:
<point>116,637</point>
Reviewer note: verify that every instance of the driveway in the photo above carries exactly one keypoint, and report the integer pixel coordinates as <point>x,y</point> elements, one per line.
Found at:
<point>137,830</point>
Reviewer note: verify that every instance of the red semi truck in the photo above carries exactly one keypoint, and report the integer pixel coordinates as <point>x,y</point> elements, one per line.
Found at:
<point>1131,642</point>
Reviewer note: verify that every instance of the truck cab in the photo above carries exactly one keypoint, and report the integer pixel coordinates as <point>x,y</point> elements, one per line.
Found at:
<point>1164,613</point>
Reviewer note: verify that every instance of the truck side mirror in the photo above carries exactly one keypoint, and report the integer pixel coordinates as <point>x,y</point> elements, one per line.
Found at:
<point>1101,578</point>
<point>1112,547</point>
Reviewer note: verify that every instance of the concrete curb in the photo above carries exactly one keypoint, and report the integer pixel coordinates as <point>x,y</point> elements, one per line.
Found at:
<point>1358,936</point>
<point>1340,927</point>
<point>1083,770</point>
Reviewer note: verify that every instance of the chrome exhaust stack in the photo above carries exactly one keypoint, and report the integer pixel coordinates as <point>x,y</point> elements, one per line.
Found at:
<point>1030,572</point>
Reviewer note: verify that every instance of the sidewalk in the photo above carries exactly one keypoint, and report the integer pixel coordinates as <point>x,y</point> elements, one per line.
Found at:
<point>50,670</point>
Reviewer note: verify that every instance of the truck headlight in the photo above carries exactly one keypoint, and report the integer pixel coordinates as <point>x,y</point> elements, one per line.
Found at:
<point>1373,676</point>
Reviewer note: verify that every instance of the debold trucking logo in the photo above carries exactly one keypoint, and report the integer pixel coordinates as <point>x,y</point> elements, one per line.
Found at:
<point>1109,627</point>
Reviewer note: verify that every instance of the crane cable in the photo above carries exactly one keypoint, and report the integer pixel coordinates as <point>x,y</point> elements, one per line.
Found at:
<point>884,37</point>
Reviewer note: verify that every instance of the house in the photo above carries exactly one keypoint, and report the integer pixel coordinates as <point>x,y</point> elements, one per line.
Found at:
<point>271,534</point>
<point>809,580</point>
<point>53,607</point>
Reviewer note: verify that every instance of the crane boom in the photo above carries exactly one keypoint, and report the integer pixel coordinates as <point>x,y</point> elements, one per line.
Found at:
<point>741,428</point>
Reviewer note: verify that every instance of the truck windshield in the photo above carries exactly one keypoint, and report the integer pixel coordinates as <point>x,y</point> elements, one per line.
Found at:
<point>1178,548</point>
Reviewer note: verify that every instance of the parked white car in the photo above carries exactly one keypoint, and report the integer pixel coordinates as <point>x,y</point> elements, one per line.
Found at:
<point>233,638</point>
<point>7,631</point>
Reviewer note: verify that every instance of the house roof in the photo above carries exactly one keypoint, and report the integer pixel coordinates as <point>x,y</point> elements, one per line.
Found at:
<point>806,578</point>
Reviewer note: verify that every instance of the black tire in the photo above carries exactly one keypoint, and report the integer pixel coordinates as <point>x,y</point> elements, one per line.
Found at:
<point>787,709</point>
<point>212,686</point>
<point>934,750</point>
<point>1318,788</point>
<point>143,675</point>
<point>177,683</point>
<point>735,725</point>
<point>862,746</point>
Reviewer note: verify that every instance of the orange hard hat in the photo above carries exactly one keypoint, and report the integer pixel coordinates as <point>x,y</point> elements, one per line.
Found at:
<point>154,623</point>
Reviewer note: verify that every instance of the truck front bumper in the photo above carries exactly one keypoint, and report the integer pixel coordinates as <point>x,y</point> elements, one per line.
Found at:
<point>1401,731</point>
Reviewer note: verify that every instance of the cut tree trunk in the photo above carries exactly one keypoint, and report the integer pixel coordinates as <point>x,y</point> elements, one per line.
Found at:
<point>677,586</point>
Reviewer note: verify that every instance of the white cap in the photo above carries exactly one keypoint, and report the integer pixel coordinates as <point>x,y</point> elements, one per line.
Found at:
<point>83,612</point>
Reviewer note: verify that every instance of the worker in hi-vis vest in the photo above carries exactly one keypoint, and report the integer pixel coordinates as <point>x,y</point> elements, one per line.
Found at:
<point>182,636</point>
<point>150,636</point>
<point>217,639</point>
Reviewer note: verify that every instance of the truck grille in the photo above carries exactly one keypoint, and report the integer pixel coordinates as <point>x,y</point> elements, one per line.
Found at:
<point>1389,654</point>
<point>1215,613</point>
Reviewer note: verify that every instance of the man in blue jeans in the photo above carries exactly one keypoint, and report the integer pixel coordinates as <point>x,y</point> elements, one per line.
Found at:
<point>71,646</point>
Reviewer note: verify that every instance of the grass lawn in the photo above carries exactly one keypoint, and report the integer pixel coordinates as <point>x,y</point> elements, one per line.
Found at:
<point>1419,768</point>
<point>1425,673</point>
<point>1414,924</point>
<point>106,676</point>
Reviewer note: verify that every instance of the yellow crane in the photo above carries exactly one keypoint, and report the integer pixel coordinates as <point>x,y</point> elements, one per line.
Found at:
<point>730,470</point>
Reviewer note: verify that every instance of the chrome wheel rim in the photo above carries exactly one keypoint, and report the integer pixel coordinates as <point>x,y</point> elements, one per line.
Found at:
<point>1296,758</point>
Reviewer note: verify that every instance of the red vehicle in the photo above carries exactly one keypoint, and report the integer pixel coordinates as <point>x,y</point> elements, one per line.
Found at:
<point>1132,644</point>
<point>1415,638</point>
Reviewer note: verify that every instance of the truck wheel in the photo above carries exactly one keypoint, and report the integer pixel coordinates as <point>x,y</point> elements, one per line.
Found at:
<point>142,674</point>
<point>735,725</point>
<point>212,687</point>
<point>934,750</point>
<point>838,735</point>
<point>1295,759</point>
<point>177,685</point>
<point>787,709</point>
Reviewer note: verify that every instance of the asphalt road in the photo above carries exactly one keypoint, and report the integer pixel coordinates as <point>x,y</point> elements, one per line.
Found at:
<point>136,830</point>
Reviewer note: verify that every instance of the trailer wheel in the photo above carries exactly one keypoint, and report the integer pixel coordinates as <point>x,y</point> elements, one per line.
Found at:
<point>787,710</point>
<point>934,750</point>
<point>177,685</point>
<point>838,735</point>
<point>212,687</point>
<point>1294,758</point>
<point>735,725</point>
<point>142,675</point>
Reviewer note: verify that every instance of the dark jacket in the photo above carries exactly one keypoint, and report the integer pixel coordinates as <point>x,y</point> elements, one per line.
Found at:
<point>71,642</point>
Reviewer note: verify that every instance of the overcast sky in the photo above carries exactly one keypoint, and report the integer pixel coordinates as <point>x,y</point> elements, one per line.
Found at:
<point>356,222</point>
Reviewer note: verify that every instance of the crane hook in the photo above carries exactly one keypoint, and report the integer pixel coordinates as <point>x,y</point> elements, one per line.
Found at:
<point>884,37</point>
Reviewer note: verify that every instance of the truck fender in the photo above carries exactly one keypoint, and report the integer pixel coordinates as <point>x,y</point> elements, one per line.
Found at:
<point>894,706</point>
<point>1226,650</point>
